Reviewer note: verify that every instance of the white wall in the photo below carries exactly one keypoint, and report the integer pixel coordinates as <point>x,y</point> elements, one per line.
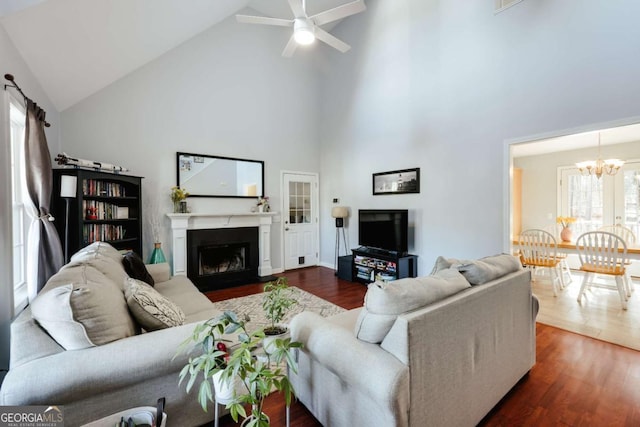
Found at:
<point>539,179</point>
<point>12,63</point>
<point>226,92</point>
<point>439,85</point>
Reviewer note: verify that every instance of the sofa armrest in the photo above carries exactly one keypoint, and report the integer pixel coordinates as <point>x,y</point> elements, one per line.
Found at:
<point>71,375</point>
<point>160,272</point>
<point>352,360</point>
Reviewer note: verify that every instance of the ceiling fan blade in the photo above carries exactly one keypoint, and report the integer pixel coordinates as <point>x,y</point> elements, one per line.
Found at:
<point>290,48</point>
<point>339,12</point>
<point>297,9</point>
<point>331,40</point>
<point>263,20</point>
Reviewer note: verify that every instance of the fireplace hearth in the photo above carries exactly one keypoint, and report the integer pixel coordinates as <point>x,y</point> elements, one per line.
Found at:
<point>220,258</point>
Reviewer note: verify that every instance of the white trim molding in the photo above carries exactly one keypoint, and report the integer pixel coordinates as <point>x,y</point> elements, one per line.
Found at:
<point>181,222</point>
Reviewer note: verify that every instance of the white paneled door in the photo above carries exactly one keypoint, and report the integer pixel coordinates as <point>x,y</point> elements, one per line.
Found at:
<point>300,217</point>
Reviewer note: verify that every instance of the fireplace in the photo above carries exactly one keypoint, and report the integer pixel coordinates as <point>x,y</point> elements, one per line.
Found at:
<point>219,258</point>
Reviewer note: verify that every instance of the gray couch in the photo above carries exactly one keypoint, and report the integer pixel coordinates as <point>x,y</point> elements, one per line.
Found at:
<point>447,363</point>
<point>100,380</point>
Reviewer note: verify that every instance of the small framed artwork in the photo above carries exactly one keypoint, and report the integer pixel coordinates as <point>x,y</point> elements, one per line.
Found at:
<point>397,182</point>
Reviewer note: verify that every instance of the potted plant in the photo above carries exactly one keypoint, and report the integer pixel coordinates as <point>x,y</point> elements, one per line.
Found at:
<point>252,377</point>
<point>277,301</point>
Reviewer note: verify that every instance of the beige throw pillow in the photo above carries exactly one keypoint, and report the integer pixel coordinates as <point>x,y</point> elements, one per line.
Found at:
<point>152,310</point>
<point>484,270</point>
<point>82,315</point>
<point>385,301</point>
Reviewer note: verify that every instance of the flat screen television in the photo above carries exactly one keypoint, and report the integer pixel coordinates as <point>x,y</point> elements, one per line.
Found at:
<point>384,229</point>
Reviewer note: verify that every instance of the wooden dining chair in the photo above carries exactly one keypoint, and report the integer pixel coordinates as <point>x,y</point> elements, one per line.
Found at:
<point>539,249</point>
<point>603,253</point>
<point>629,238</point>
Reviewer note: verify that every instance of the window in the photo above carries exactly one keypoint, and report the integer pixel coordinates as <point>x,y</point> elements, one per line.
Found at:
<point>18,191</point>
<point>604,201</point>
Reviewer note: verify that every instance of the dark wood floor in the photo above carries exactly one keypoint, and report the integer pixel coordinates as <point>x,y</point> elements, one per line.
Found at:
<point>577,381</point>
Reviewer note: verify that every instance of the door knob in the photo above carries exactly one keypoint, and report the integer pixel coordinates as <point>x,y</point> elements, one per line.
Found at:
<point>286,229</point>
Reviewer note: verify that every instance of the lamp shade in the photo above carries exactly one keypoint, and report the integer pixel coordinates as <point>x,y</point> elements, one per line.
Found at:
<point>340,212</point>
<point>68,186</point>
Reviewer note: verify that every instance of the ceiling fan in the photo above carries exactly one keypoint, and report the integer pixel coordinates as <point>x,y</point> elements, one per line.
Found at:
<point>307,28</point>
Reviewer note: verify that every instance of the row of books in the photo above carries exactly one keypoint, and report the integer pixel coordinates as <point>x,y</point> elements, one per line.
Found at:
<point>96,187</point>
<point>102,210</point>
<point>102,232</point>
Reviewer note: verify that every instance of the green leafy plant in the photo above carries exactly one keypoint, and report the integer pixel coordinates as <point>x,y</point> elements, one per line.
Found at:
<point>278,300</point>
<point>259,375</point>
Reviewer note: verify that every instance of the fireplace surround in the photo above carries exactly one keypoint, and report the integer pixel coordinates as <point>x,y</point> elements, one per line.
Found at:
<point>181,224</point>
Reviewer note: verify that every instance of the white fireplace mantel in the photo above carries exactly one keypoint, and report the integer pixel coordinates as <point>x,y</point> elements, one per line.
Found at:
<point>181,222</point>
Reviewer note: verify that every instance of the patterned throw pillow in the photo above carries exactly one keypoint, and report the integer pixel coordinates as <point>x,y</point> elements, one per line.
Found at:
<point>150,309</point>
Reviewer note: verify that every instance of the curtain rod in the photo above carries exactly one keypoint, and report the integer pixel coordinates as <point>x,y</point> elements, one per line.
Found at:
<point>15,85</point>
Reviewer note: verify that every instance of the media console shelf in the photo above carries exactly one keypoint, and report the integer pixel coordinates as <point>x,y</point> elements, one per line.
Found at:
<point>371,264</point>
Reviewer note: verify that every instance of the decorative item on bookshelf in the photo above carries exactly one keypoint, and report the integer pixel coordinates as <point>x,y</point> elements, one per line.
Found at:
<point>157,256</point>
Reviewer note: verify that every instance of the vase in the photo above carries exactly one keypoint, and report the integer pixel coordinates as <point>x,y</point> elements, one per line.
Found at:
<point>566,234</point>
<point>176,206</point>
<point>157,256</point>
<point>260,208</point>
<point>226,390</point>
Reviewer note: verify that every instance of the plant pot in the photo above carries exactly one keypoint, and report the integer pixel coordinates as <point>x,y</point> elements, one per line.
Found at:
<point>224,390</point>
<point>269,342</point>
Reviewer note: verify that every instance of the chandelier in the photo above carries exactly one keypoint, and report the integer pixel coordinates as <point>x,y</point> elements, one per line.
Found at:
<point>598,167</point>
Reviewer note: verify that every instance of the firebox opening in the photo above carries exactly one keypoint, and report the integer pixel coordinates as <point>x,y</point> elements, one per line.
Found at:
<point>221,259</point>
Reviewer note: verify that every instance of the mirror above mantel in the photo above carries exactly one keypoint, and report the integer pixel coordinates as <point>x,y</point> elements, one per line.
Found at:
<point>215,176</point>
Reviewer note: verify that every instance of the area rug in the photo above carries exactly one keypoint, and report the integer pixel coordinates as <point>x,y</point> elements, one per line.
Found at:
<point>599,315</point>
<point>251,305</point>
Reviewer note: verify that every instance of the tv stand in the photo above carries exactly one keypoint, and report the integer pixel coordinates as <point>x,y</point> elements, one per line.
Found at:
<point>370,264</point>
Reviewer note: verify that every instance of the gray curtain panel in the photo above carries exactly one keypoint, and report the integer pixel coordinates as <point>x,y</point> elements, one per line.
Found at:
<point>39,183</point>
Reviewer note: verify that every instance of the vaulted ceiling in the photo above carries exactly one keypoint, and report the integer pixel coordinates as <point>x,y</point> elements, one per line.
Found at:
<point>77,47</point>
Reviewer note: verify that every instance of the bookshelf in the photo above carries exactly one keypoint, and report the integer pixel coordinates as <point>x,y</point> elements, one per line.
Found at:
<point>106,207</point>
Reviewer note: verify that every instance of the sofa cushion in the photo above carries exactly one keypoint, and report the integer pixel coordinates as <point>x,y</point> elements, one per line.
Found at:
<point>150,308</point>
<point>84,312</point>
<point>135,268</point>
<point>481,271</point>
<point>385,301</point>
<point>484,270</point>
<point>104,258</point>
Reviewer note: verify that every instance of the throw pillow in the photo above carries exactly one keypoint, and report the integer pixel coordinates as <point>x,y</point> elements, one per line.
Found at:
<point>385,301</point>
<point>84,314</point>
<point>486,269</point>
<point>442,263</point>
<point>135,268</point>
<point>152,310</point>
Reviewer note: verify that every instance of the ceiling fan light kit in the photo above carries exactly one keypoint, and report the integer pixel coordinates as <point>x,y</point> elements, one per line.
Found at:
<point>303,32</point>
<point>306,29</point>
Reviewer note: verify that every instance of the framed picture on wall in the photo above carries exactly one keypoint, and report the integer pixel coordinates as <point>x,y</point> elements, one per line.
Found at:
<point>396,182</point>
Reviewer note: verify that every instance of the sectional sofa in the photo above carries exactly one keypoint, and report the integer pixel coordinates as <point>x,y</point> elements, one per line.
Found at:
<point>429,351</point>
<point>79,345</point>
